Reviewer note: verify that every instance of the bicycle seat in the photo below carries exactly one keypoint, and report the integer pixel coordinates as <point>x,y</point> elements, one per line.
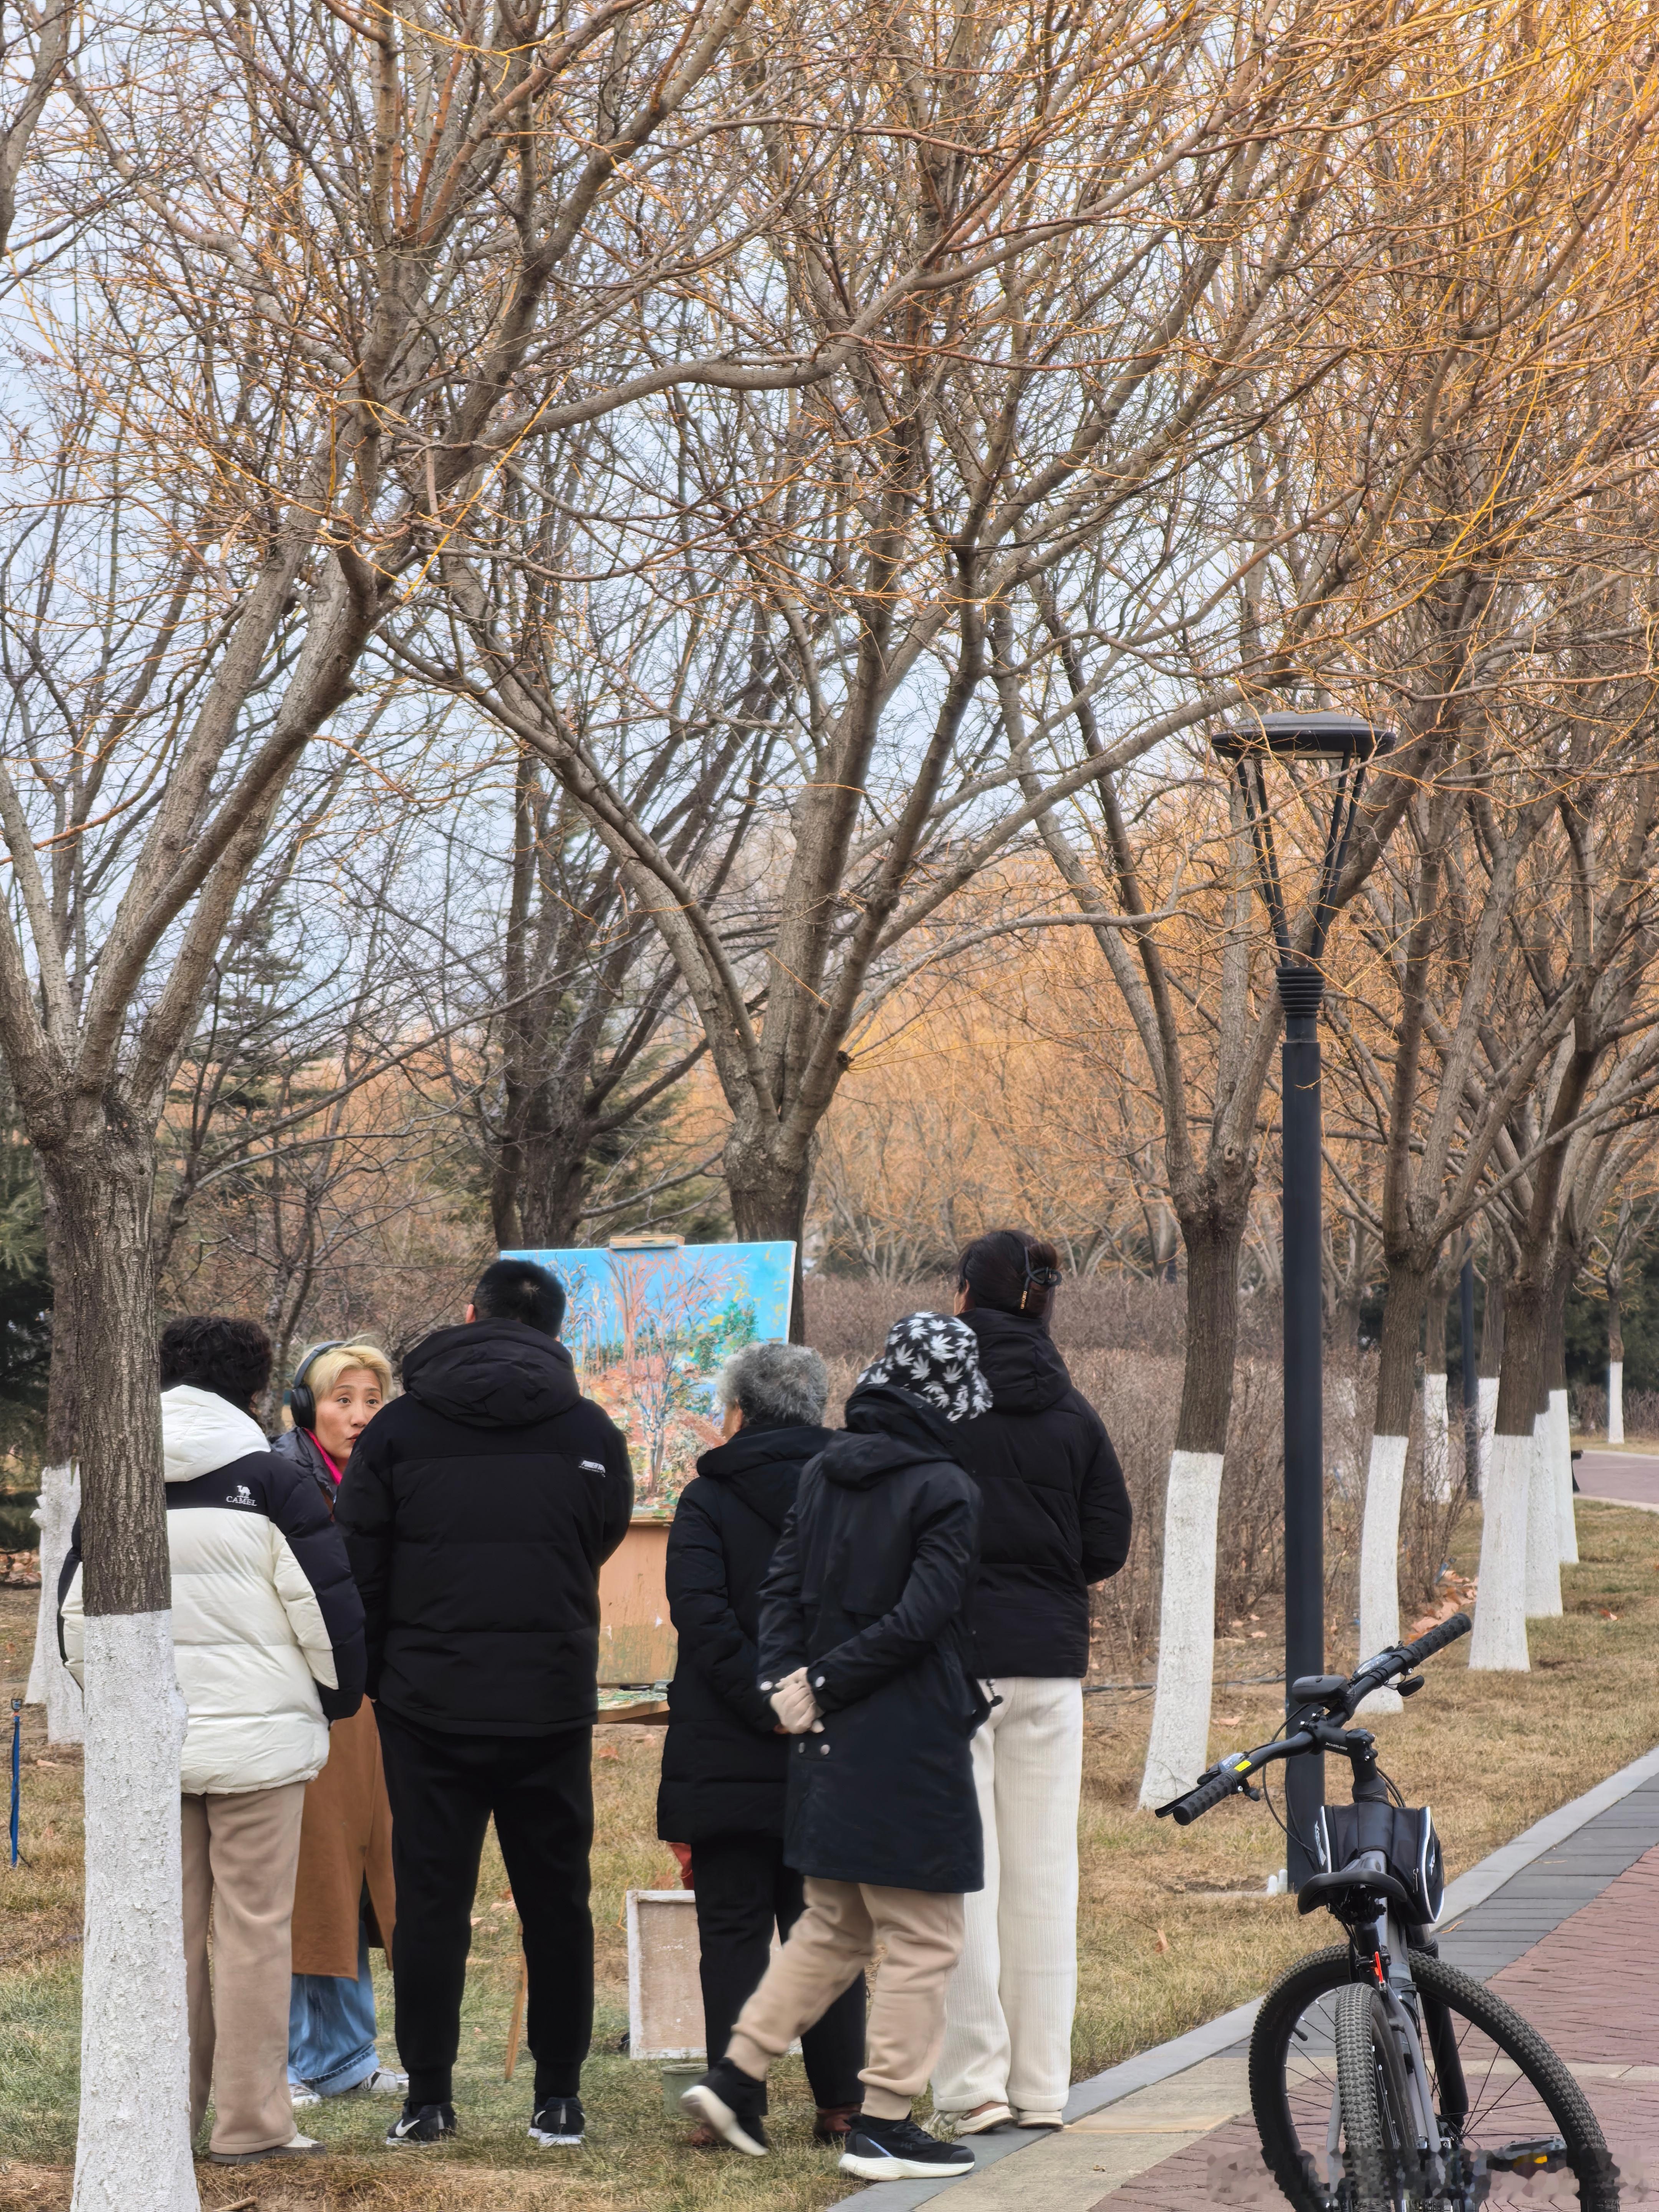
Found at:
<point>1320,1888</point>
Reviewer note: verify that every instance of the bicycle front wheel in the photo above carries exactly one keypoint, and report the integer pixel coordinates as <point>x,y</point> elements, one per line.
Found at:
<point>1509,2108</point>
<point>1376,2140</point>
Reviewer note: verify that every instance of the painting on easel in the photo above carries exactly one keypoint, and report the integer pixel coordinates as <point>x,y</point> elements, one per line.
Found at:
<point>649,1324</point>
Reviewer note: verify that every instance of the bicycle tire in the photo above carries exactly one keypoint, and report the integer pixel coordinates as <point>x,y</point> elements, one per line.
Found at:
<point>1375,2125</point>
<point>1324,1973</point>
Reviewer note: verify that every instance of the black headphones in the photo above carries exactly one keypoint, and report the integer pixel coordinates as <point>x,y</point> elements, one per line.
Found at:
<point>299,1397</point>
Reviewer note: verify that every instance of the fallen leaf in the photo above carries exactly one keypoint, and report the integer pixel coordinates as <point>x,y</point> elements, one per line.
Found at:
<point>607,1751</point>
<point>1163,1942</point>
<point>1257,1635</point>
<point>1228,1720</point>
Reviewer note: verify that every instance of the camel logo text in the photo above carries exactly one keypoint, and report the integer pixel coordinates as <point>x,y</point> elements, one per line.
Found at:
<point>241,1496</point>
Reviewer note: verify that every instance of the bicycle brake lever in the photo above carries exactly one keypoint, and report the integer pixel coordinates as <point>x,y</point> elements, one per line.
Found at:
<point>1411,1688</point>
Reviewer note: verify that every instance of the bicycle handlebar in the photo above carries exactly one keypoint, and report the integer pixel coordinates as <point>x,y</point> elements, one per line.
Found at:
<point>1233,1773</point>
<point>1404,1658</point>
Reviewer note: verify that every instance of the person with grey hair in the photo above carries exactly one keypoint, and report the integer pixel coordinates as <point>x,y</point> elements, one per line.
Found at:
<point>725,1760</point>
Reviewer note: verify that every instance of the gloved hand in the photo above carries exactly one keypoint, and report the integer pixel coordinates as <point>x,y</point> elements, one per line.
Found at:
<point>795,1705</point>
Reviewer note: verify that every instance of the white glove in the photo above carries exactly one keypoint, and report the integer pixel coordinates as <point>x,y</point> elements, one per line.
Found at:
<point>795,1706</point>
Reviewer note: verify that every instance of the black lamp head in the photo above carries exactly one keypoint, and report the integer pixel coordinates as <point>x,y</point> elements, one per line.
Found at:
<point>1341,740</point>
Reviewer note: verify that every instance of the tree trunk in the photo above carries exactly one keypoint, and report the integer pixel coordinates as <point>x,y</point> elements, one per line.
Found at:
<point>1437,1427</point>
<point>1615,1358</point>
<point>133,2152</point>
<point>50,1683</point>
<point>769,1207</point>
<point>1560,1423</point>
<point>1499,1641</point>
<point>1379,1539</point>
<point>1178,1750</point>
<point>1490,1366</point>
<point>1543,1515</point>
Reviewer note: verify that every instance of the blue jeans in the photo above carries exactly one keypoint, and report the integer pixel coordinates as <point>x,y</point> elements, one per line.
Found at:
<point>331,2028</point>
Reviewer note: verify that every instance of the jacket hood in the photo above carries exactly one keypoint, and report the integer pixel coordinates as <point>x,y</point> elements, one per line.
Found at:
<point>492,1375</point>
<point>763,1467</point>
<point>201,1431</point>
<point>1017,1359</point>
<point>887,1429</point>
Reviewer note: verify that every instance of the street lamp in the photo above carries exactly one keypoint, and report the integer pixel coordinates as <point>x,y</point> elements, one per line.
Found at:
<point>1344,744</point>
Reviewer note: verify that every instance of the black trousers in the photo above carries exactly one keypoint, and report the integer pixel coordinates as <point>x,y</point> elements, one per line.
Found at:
<point>443,1790</point>
<point>744,1887</point>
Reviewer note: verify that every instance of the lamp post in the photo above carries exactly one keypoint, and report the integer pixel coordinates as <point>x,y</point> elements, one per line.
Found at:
<point>1343,744</point>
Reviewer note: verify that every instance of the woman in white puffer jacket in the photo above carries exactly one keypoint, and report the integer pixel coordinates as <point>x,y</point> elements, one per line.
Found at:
<point>267,1637</point>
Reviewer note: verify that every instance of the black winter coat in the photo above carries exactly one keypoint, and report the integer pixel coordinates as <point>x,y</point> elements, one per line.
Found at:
<point>477,1509</point>
<point>723,1766</point>
<point>300,1446</point>
<point>868,1589</point>
<point>1055,1513</point>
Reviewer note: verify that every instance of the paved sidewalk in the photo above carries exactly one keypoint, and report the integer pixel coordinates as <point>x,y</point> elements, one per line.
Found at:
<point>1559,1922</point>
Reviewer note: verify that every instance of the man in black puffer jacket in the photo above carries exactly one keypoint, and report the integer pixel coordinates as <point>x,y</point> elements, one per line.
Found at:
<point>726,1760</point>
<point>477,1509</point>
<point>864,1656</point>
<point>1054,1518</point>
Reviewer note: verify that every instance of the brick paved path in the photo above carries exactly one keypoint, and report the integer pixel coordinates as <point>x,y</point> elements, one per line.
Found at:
<point>1588,1986</point>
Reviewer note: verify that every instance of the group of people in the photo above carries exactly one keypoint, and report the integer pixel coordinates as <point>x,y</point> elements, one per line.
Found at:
<point>386,1629</point>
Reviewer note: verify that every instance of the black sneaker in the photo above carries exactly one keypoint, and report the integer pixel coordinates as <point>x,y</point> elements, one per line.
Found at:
<point>418,2125</point>
<point>899,2150</point>
<point>557,2123</point>
<point>732,2103</point>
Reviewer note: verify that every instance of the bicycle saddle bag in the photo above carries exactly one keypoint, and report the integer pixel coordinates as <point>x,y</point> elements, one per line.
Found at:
<point>1406,1839</point>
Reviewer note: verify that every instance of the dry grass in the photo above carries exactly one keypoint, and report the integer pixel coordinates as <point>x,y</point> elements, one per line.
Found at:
<point>1176,1927</point>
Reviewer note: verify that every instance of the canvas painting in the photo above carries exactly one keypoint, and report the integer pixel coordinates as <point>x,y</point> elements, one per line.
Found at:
<point>649,1328</point>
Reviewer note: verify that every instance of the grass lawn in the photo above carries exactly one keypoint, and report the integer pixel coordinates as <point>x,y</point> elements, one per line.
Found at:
<point>1176,1925</point>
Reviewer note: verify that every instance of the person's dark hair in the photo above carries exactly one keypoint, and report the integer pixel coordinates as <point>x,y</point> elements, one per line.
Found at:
<point>1012,1272</point>
<point>518,1289</point>
<point>212,1351</point>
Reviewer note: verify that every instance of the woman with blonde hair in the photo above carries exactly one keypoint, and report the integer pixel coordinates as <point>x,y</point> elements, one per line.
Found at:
<point>343,1899</point>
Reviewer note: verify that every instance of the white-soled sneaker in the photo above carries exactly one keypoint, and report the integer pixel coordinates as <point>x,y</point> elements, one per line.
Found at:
<point>1024,2119</point>
<point>384,2082</point>
<point>558,2124</point>
<point>300,2094</point>
<point>297,2146</point>
<point>899,2150</point>
<point>978,2122</point>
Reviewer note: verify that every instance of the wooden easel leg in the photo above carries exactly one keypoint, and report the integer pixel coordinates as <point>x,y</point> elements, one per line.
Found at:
<point>515,2028</point>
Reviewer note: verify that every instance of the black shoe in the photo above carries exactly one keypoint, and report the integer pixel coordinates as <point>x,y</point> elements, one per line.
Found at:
<point>899,2150</point>
<point>732,2103</point>
<point>418,2125</point>
<point>558,2124</point>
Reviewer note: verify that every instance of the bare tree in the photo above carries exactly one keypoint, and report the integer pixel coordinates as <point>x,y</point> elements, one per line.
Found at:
<point>331,267</point>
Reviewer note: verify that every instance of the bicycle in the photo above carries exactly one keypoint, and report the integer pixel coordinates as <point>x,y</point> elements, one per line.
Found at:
<point>1383,2080</point>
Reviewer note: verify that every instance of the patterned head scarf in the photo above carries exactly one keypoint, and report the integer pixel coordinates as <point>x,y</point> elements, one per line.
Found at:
<point>935,1356</point>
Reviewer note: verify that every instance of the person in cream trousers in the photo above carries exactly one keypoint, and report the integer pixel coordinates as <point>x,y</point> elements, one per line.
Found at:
<point>268,1638</point>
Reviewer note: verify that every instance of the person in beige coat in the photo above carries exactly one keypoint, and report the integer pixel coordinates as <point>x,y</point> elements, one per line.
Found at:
<point>344,1897</point>
<point>268,1641</point>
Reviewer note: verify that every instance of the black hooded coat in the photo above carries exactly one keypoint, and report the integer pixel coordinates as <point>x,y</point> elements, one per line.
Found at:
<point>723,1766</point>
<point>1055,1512</point>
<point>868,1589</point>
<point>477,1509</point>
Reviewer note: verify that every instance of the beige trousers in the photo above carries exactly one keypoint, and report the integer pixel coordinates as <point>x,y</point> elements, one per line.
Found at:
<point>240,1850</point>
<point>835,1939</point>
<point>1008,2010</point>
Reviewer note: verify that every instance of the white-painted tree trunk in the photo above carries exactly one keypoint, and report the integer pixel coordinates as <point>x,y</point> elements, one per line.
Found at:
<point>1560,1421</point>
<point>1499,1641</point>
<point>1437,1436</point>
<point>132,2151</point>
<point>1615,1401</point>
<point>1486,1424</point>
<point>51,1684</point>
<point>1178,1751</point>
<point>1543,1528</point>
<point>1379,1560</point>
